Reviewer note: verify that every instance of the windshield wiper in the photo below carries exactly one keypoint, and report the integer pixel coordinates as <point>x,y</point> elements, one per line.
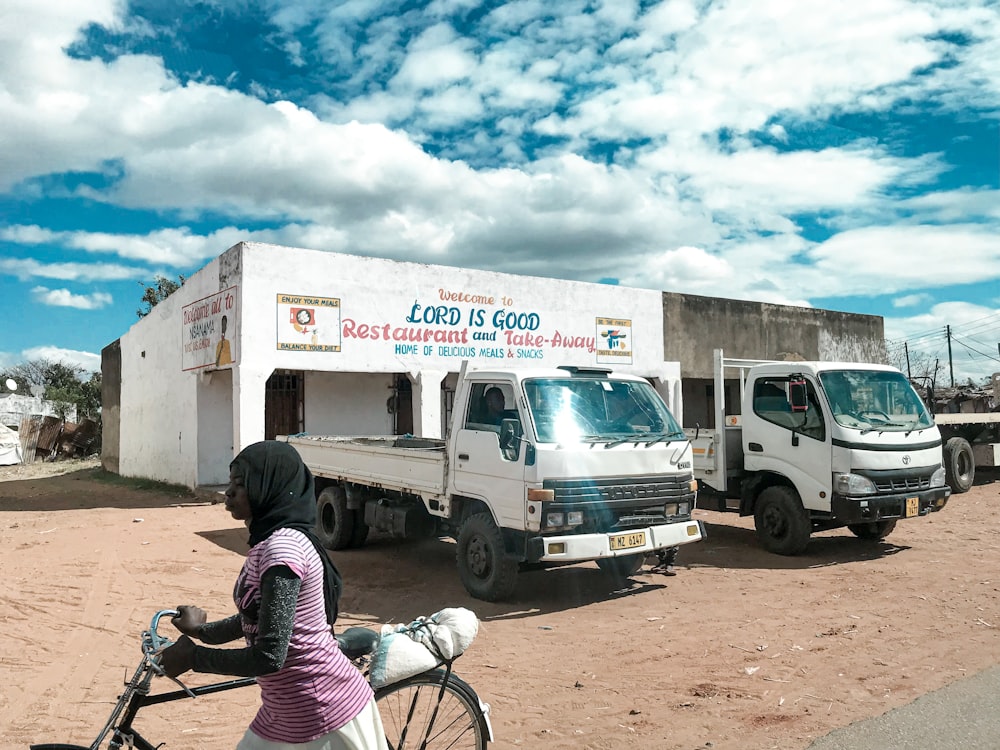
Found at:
<point>880,425</point>
<point>667,436</point>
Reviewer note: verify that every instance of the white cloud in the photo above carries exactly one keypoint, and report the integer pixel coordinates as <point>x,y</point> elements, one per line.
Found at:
<point>678,206</point>
<point>171,247</point>
<point>89,361</point>
<point>29,268</point>
<point>912,300</point>
<point>65,298</point>
<point>889,260</point>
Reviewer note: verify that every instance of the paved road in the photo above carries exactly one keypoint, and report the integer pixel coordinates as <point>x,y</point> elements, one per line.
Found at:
<point>962,716</point>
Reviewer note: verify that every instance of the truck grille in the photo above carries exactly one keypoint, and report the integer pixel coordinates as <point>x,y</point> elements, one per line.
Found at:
<point>891,486</point>
<point>633,492</point>
<point>890,482</point>
<point>620,503</point>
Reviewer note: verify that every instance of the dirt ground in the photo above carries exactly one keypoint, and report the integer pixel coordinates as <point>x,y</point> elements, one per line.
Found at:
<point>740,650</point>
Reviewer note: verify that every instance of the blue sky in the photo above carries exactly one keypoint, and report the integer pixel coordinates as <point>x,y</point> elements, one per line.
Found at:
<point>829,153</point>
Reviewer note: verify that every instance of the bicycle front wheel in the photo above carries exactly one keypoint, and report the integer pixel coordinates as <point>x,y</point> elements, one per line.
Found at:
<point>429,712</point>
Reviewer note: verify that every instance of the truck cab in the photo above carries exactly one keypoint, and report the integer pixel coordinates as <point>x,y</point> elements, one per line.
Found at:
<point>578,464</point>
<point>822,445</point>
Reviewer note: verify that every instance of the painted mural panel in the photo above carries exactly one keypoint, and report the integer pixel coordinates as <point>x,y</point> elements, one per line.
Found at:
<point>208,331</point>
<point>451,325</point>
<point>614,341</point>
<point>308,323</point>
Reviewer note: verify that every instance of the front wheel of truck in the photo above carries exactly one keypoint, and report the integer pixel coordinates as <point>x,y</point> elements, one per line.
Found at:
<point>875,531</point>
<point>621,567</point>
<point>486,570</point>
<point>782,524</point>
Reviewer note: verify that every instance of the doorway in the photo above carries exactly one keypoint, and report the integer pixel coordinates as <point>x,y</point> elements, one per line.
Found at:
<point>283,404</point>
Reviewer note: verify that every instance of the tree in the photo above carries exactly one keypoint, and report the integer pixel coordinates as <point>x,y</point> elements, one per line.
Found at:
<point>153,295</point>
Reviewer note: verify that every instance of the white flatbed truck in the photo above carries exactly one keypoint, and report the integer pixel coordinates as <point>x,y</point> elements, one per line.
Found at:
<point>816,446</point>
<point>971,441</point>
<point>582,464</point>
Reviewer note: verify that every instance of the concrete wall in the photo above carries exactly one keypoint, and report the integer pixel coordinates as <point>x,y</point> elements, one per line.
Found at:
<point>159,404</point>
<point>694,326</point>
<point>111,387</point>
<point>347,403</point>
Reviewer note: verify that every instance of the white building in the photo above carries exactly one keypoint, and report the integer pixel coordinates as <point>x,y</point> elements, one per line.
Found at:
<point>268,340</point>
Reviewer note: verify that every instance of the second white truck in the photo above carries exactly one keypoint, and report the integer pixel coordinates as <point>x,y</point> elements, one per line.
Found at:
<point>816,446</point>
<point>571,464</point>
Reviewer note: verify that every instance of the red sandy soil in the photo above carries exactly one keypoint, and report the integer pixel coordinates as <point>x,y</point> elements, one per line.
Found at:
<point>741,649</point>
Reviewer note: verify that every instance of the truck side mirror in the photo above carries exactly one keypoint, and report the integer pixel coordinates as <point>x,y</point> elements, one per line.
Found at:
<point>510,437</point>
<point>798,394</point>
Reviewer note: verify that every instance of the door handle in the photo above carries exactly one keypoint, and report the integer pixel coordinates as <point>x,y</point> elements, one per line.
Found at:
<point>755,447</point>
<point>463,456</point>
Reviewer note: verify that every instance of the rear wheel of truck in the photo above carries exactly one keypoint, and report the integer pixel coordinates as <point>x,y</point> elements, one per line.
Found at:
<point>959,464</point>
<point>486,570</point>
<point>621,567</point>
<point>334,520</point>
<point>782,523</point>
<point>875,531</point>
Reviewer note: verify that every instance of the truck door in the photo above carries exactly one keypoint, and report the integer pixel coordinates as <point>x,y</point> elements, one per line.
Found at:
<point>795,444</point>
<point>480,468</point>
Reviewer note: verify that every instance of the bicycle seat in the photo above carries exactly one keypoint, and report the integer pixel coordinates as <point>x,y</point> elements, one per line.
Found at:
<point>357,642</point>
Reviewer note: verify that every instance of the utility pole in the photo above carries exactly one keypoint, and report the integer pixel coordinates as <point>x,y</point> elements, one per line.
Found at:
<point>906,348</point>
<point>951,369</point>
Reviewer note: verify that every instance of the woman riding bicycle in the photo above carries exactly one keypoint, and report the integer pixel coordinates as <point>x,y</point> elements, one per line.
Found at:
<point>312,697</point>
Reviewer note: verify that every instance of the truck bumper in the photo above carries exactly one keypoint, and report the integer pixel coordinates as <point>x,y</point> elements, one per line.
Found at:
<point>579,547</point>
<point>849,510</point>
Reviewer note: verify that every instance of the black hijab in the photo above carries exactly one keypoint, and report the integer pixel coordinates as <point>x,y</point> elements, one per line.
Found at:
<point>282,496</point>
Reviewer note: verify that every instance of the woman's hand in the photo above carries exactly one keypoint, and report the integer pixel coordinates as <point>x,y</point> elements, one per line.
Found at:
<point>178,658</point>
<point>189,620</point>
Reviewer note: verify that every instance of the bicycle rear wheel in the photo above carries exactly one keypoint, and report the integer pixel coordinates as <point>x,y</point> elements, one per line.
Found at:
<point>417,713</point>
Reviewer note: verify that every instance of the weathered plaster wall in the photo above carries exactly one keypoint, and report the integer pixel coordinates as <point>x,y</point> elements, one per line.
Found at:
<point>158,438</point>
<point>694,326</point>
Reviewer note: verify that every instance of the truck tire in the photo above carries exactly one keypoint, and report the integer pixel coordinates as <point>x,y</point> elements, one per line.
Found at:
<point>959,464</point>
<point>487,572</point>
<point>875,531</point>
<point>334,520</point>
<point>781,522</point>
<point>621,567</point>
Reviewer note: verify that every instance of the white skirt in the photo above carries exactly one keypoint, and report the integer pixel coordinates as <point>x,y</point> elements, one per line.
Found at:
<point>363,732</point>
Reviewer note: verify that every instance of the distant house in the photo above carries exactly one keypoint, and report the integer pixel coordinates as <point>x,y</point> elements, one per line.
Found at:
<point>14,407</point>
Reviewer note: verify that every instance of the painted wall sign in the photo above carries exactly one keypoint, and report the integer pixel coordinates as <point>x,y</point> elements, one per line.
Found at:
<point>308,324</point>
<point>462,325</point>
<point>209,331</point>
<point>614,341</point>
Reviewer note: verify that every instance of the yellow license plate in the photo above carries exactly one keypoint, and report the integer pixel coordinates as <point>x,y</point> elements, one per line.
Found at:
<point>628,541</point>
<point>912,506</point>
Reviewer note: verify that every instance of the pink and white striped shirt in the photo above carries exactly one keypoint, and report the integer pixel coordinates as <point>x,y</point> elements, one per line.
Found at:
<point>317,689</point>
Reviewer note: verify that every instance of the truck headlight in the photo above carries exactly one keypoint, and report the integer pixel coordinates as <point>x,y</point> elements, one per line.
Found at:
<point>937,478</point>
<point>852,484</point>
<point>670,509</point>
<point>555,519</point>
<point>574,518</point>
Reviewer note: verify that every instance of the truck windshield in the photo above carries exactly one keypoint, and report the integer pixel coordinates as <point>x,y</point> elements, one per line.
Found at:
<point>577,409</point>
<point>870,400</point>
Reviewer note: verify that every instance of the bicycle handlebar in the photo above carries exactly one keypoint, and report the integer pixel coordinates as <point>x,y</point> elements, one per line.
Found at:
<point>153,643</point>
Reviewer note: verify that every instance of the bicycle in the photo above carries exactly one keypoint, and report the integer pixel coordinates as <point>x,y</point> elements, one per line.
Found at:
<point>434,710</point>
